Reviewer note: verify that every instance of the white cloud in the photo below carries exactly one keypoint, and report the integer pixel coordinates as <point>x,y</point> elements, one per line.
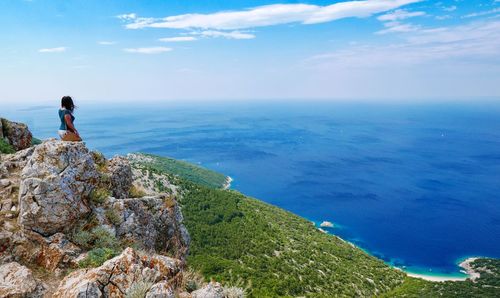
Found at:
<point>127,16</point>
<point>449,8</point>
<point>106,43</point>
<point>392,21</point>
<point>443,17</point>
<point>482,13</point>
<point>400,14</point>
<point>397,27</point>
<point>473,41</point>
<point>228,35</point>
<point>150,50</point>
<point>178,39</point>
<point>268,15</point>
<point>53,50</point>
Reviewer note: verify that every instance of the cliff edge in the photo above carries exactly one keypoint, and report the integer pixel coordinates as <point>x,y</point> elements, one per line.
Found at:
<point>74,224</point>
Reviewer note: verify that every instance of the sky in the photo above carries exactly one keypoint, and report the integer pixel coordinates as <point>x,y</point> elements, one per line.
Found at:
<point>133,50</point>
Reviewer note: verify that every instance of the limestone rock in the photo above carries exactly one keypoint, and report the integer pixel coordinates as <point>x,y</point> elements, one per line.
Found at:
<point>120,176</point>
<point>10,168</point>
<point>58,252</point>
<point>116,276</point>
<point>211,290</point>
<point>18,281</point>
<point>55,184</point>
<point>17,134</point>
<point>161,290</point>
<point>155,222</point>
<point>10,163</point>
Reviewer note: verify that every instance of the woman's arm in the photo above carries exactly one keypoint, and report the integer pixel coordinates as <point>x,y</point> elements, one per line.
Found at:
<point>69,124</point>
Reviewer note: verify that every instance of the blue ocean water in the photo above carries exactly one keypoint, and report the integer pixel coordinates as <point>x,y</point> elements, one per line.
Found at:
<point>415,184</point>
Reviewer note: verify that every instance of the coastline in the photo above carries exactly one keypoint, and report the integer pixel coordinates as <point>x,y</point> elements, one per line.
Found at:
<point>227,184</point>
<point>465,265</point>
<point>435,278</point>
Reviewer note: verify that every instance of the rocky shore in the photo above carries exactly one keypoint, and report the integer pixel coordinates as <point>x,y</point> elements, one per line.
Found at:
<point>469,269</point>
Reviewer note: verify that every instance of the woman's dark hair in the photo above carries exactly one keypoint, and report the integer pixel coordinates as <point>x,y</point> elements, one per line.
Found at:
<point>67,103</point>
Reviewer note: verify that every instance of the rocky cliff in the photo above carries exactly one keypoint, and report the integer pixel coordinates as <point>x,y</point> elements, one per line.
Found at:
<point>73,224</point>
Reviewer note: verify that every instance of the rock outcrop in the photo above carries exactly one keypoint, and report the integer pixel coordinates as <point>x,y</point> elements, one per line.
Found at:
<point>155,222</point>
<point>55,194</point>
<point>10,169</point>
<point>58,252</point>
<point>120,174</point>
<point>18,281</point>
<point>16,134</point>
<point>55,185</point>
<point>162,289</point>
<point>212,290</point>
<point>117,276</point>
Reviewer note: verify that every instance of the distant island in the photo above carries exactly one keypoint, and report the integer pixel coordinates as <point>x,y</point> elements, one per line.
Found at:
<point>326,224</point>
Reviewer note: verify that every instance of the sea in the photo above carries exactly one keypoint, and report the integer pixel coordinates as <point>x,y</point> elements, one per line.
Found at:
<point>416,184</point>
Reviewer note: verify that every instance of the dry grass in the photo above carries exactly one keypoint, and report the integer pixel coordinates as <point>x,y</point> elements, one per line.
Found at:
<point>99,195</point>
<point>139,289</point>
<point>135,192</point>
<point>170,202</point>
<point>191,280</point>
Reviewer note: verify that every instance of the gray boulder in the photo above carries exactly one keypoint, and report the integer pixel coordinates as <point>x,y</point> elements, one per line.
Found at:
<point>117,276</point>
<point>120,176</point>
<point>57,251</point>
<point>55,184</point>
<point>17,134</point>
<point>155,222</point>
<point>162,289</point>
<point>18,281</point>
<point>211,290</point>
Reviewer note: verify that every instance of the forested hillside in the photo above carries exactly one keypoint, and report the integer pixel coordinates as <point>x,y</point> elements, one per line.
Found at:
<point>243,241</point>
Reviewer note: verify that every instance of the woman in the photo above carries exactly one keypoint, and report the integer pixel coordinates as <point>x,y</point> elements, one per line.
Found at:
<point>67,130</point>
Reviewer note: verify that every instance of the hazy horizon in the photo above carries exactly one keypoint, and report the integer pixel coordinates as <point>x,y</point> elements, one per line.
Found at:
<point>55,102</point>
<point>259,49</point>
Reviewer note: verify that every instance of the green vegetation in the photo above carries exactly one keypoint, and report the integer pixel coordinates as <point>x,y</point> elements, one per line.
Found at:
<point>99,195</point>
<point>8,149</point>
<point>102,244</point>
<point>183,170</point>
<point>276,253</point>
<point>98,237</point>
<point>113,217</point>
<point>5,147</point>
<point>35,141</point>
<point>97,256</point>
<point>100,161</point>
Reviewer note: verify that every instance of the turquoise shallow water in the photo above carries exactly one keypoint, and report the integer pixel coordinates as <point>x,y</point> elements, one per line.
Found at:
<point>415,184</point>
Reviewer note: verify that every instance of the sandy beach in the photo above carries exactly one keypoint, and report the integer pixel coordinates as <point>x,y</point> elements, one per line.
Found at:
<point>465,265</point>
<point>436,278</point>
